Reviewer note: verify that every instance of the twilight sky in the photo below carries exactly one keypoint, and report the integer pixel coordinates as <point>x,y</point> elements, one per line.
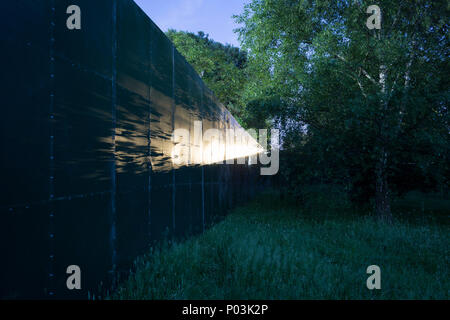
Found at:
<point>210,16</point>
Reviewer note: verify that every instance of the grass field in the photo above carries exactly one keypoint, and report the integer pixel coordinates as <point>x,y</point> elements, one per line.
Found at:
<point>273,249</point>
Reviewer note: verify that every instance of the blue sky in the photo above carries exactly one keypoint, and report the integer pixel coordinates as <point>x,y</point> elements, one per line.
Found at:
<point>210,16</point>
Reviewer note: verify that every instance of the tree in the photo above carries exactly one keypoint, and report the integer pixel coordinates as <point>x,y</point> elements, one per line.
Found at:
<point>221,67</point>
<point>372,100</point>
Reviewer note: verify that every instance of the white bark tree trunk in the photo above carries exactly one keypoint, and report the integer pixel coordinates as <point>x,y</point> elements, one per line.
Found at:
<point>382,194</point>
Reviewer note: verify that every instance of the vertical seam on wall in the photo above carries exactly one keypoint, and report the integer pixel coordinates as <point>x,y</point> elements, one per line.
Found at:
<point>113,136</point>
<point>51,231</point>
<point>173,128</point>
<point>203,166</point>
<point>149,163</point>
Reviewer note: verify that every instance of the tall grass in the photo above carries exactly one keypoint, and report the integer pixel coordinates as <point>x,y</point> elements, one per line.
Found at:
<point>271,249</point>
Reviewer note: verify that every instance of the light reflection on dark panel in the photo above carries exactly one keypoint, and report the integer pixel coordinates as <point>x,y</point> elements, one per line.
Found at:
<point>207,115</point>
<point>162,101</point>
<point>182,119</point>
<point>82,132</point>
<point>195,170</point>
<point>223,178</point>
<point>161,111</point>
<point>132,132</point>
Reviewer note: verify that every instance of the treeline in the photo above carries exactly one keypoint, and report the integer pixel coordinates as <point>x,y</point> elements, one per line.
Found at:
<point>366,109</point>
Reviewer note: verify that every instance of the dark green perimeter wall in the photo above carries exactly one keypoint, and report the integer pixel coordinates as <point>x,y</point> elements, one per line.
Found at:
<point>86,119</point>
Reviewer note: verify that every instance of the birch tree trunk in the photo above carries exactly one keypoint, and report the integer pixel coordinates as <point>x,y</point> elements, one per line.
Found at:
<point>382,194</point>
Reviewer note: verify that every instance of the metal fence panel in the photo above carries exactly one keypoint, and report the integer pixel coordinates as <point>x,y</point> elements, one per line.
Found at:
<point>88,175</point>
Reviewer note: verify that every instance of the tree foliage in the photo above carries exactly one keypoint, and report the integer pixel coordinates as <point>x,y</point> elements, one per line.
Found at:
<point>221,67</point>
<point>374,102</point>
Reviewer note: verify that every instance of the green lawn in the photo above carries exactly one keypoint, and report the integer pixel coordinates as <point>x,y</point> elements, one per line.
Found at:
<point>270,249</point>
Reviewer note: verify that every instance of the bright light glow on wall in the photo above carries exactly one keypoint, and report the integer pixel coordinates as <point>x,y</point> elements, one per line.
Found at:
<point>213,146</point>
